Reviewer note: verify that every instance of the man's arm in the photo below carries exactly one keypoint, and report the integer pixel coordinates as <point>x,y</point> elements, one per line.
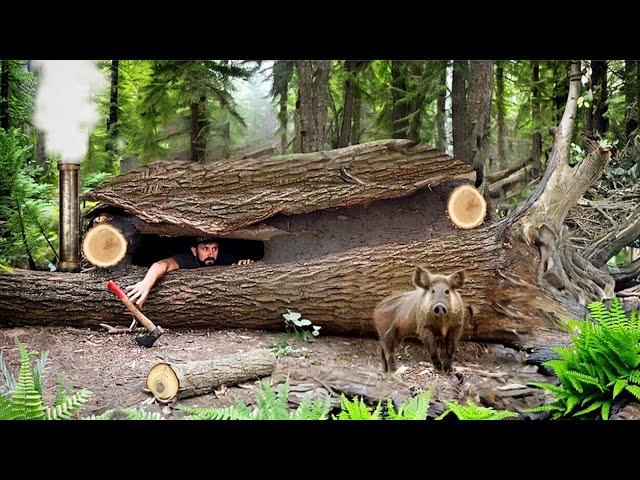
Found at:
<point>141,290</point>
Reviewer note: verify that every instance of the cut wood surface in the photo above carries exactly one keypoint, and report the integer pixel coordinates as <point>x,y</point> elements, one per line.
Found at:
<point>466,207</point>
<point>104,245</point>
<point>186,198</point>
<point>181,380</point>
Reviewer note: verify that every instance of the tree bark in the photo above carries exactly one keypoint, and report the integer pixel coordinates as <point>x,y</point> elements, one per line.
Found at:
<point>536,117</point>
<point>204,376</point>
<point>282,117</point>
<point>313,80</point>
<point>500,112</point>
<point>357,113</point>
<point>198,127</point>
<point>347,109</point>
<point>399,107</point>
<point>112,119</point>
<point>600,97</point>
<point>441,136</point>
<point>478,105</point>
<point>459,108</point>
<point>4,94</point>
<point>631,96</point>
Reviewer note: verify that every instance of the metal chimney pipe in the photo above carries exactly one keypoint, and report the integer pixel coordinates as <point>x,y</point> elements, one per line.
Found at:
<point>69,225</point>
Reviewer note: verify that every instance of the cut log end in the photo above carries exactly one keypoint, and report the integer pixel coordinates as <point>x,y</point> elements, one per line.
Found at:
<point>104,246</point>
<point>466,207</point>
<point>163,382</point>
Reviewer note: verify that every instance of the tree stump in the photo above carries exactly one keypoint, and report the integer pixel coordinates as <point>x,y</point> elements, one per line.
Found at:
<point>466,207</point>
<point>172,380</point>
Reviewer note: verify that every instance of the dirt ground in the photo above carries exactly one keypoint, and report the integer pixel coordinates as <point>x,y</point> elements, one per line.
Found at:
<point>114,368</point>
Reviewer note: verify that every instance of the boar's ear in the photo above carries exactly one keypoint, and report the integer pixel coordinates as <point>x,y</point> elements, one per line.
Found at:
<point>422,277</point>
<point>456,280</point>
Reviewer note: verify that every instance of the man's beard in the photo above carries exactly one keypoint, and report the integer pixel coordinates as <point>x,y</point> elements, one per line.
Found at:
<point>207,261</point>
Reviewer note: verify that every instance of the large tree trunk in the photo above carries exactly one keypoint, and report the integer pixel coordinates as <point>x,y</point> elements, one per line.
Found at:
<point>600,97</point>
<point>4,94</point>
<point>536,117</point>
<point>112,119</point>
<point>459,108</point>
<point>313,80</point>
<point>478,106</point>
<point>631,89</point>
<point>441,114</point>
<point>500,112</point>
<point>357,114</point>
<point>347,109</point>
<point>198,126</point>
<point>399,107</point>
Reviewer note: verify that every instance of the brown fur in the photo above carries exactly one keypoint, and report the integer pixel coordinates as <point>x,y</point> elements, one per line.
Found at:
<point>419,313</point>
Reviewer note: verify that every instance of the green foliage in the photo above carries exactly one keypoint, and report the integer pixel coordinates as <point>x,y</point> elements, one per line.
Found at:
<point>356,409</point>
<point>24,399</point>
<point>27,216</point>
<point>601,363</point>
<point>300,326</point>
<point>471,411</point>
<point>282,349</point>
<point>271,405</point>
<point>415,408</point>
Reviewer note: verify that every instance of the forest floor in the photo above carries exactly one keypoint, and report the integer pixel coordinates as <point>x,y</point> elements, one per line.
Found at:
<point>114,368</point>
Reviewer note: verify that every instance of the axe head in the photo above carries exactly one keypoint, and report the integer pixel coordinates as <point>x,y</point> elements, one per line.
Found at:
<point>150,338</point>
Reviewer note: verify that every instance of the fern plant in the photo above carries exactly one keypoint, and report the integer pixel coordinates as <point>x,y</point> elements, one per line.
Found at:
<point>415,408</point>
<point>601,363</point>
<point>471,411</point>
<point>126,414</point>
<point>24,399</point>
<point>271,405</point>
<point>356,409</point>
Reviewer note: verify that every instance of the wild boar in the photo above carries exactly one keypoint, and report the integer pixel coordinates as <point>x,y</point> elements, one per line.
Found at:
<point>434,312</point>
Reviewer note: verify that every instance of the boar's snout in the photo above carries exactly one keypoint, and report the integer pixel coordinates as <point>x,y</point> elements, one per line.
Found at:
<point>440,309</point>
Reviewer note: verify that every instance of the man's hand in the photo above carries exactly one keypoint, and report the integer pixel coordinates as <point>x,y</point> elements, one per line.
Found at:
<point>246,261</point>
<point>139,291</point>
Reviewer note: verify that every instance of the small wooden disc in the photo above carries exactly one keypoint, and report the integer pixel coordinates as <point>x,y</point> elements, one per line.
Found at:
<point>104,246</point>
<point>466,207</point>
<point>163,382</point>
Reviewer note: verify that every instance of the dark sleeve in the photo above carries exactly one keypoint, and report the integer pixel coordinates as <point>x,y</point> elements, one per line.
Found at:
<point>185,260</point>
<point>226,258</point>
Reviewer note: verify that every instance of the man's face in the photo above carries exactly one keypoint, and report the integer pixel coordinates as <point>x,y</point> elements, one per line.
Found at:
<point>207,253</point>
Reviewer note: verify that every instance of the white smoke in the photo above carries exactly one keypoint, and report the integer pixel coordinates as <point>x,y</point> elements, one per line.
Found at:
<point>65,109</point>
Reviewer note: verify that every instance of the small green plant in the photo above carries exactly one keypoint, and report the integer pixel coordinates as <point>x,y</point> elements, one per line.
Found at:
<point>295,323</point>
<point>356,409</point>
<point>282,349</point>
<point>23,399</point>
<point>601,363</point>
<point>415,408</point>
<point>471,411</point>
<point>271,405</point>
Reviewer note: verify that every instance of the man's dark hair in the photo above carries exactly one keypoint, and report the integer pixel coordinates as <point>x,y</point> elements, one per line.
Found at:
<point>198,240</point>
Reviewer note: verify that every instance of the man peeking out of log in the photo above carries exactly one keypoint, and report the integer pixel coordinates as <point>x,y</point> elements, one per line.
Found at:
<point>207,252</point>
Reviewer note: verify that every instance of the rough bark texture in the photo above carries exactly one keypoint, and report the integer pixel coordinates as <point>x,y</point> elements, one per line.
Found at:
<point>500,112</point>
<point>198,125</point>
<point>631,89</point>
<point>399,107</point>
<point>478,105</point>
<point>112,119</point>
<point>600,97</point>
<point>347,109</point>
<point>357,111</point>
<point>459,108</point>
<point>441,114</point>
<point>181,198</point>
<point>536,117</point>
<point>4,94</point>
<point>202,377</point>
<point>313,78</point>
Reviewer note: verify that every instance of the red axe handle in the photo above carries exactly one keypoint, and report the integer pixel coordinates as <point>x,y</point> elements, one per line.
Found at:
<point>117,291</point>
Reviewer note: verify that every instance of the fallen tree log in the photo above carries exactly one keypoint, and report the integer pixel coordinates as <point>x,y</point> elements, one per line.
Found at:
<point>167,381</point>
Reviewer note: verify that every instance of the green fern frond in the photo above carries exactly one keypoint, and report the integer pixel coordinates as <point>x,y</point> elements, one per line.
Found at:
<point>471,411</point>
<point>590,408</point>
<point>38,369</point>
<point>134,414</point>
<point>619,387</point>
<point>356,409</point>
<point>633,390</point>
<point>549,407</point>
<point>68,406</point>
<point>606,408</point>
<point>9,380</point>
<point>312,409</point>
<point>26,401</point>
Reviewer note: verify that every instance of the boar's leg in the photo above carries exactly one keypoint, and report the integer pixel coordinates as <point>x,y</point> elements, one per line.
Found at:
<point>451,342</point>
<point>429,340</point>
<point>388,345</point>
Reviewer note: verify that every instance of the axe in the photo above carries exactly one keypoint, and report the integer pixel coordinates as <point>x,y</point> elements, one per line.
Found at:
<point>154,332</point>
